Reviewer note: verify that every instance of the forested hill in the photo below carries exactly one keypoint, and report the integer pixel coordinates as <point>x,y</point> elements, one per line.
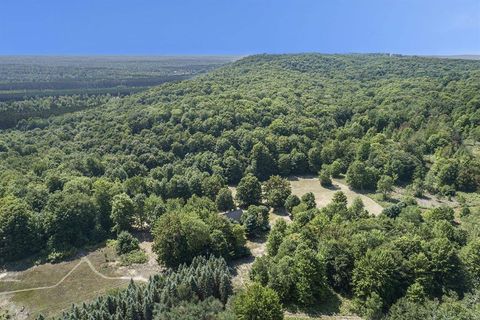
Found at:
<point>414,119</point>
<point>160,161</point>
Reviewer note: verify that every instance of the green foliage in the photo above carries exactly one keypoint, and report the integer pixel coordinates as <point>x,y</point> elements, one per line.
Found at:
<point>385,185</point>
<point>450,308</point>
<point>133,257</point>
<point>200,289</point>
<point>123,211</point>
<point>224,200</point>
<point>470,256</point>
<point>153,208</point>
<point>440,213</point>
<point>255,220</point>
<point>291,202</point>
<point>181,235</point>
<point>126,243</point>
<point>179,238</point>
<point>336,168</point>
<point>257,303</point>
<point>160,158</point>
<point>18,230</point>
<point>373,259</point>
<point>392,211</point>
<point>276,191</point>
<point>249,191</point>
<point>309,200</point>
<point>262,162</point>
<point>324,177</point>
<point>275,237</point>
<point>70,221</point>
<point>411,118</point>
<point>378,272</point>
<point>361,177</point>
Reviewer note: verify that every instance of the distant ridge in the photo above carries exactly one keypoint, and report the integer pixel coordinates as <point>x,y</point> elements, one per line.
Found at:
<point>463,57</point>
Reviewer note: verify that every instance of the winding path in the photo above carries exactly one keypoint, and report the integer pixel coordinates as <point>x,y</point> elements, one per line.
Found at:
<point>82,260</point>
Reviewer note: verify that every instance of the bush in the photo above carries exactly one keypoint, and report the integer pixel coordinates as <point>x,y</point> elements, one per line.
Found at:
<point>291,202</point>
<point>58,256</point>
<point>465,212</point>
<point>325,179</point>
<point>309,200</point>
<point>135,256</point>
<point>257,302</point>
<point>126,243</point>
<point>392,211</point>
<point>440,213</point>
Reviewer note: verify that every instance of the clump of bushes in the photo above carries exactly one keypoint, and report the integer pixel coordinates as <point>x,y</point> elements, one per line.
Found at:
<point>126,243</point>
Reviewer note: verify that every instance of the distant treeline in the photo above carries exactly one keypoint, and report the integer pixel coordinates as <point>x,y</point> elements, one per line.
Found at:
<point>38,87</point>
<point>91,84</point>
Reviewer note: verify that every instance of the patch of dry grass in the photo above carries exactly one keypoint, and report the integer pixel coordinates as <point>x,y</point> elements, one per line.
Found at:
<point>323,196</point>
<point>81,285</point>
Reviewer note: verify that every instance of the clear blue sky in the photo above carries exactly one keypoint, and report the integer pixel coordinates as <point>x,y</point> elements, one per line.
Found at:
<point>160,27</point>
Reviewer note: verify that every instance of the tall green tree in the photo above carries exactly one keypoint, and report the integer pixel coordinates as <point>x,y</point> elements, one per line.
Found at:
<point>276,191</point>
<point>262,163</point>
<point>224,200</point>
<point>123,212</point>
<point>18,232</point>
<point>249,191</point>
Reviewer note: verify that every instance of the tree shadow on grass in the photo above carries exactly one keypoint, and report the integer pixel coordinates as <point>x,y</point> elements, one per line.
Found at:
<point>280,212</point>
<point>333,187</point>
<point>329,305</point>
<point>391,200</point>
<point>237,263</point>
<point>259,238</point>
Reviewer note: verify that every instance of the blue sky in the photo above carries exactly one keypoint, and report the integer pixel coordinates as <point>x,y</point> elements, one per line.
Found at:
<point>186,27</point>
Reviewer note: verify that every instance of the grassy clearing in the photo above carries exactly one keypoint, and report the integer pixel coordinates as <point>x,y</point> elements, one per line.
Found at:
<point>81,285</point>
<point>323,196</point>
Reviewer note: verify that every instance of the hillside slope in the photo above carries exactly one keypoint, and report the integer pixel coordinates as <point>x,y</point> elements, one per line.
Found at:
<point>269,114</point>
<point>160,161</point>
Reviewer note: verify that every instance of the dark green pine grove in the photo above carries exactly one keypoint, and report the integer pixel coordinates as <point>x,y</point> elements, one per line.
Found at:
<point>161,160</point>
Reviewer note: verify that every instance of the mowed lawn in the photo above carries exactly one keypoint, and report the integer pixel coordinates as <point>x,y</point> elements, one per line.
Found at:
<point>323,196</point>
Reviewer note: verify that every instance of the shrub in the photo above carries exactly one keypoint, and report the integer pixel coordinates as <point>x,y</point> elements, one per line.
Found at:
<point>135,256</point>
<point>257,302</point>
<point>126,243</point>
<point>291,202</point>
<point>325,179</point>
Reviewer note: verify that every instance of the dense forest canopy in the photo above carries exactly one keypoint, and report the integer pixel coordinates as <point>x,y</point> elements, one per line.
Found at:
<point>161,160</point>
